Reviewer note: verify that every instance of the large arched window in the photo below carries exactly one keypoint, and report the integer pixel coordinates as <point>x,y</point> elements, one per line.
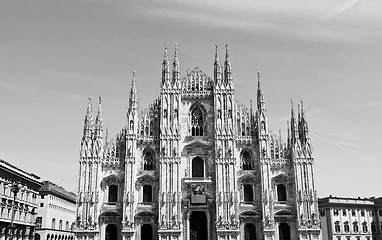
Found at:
<point>113,193</point>
<point>346,227</point>
<point>196,122</point>
<point>148,161</point>
<point>147,193</point>
<point>337,227</point>
<point>364,227</point>
<point>281,193</point>
<point>355,227</point>
<point>246,161</point>
<point>197,167</point>
<point>248,193</point>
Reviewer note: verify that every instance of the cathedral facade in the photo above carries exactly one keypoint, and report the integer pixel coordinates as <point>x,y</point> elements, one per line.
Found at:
<point>196,165</point>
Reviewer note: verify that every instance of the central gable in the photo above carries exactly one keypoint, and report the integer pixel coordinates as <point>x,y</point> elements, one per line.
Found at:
<point>197,82</point>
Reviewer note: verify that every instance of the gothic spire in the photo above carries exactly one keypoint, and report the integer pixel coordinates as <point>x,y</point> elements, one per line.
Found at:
<point>260,94</point>
<point>293,125</point>
<point>133,101</point>
<point>304,124</point>
<point>175,70</point>
<point>217,67</point>
<point>88,124</point>
<point>165,68</point>
<point>227,67</point>
<point>99,121</point>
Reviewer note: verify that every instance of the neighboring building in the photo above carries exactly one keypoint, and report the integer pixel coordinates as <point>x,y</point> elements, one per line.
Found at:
<point>23,204</point>
<point>56,213</point>
<point>196,164</point>
<point>347,218</point>
<point>376,225</point>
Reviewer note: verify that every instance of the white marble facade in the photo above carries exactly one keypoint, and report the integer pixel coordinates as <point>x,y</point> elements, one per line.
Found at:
<point>196,164</point>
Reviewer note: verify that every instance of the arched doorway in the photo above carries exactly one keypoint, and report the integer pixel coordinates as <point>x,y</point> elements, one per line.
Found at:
<point>146,232</point>
<point>284,231</point>
<point>249,231</point>
<point>111,232</point>
<point>197,167</point>
<point>198,226</point>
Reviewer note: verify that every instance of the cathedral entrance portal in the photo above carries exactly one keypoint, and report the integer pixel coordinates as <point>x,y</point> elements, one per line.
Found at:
<point>198,226</point>
<point>249,231</point>
<point>111,232</point>
<point>146,232</point>
<point>284,231</point>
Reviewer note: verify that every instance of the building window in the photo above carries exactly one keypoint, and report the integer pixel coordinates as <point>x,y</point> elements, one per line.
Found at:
<point>362,213</point>
<point>346,227</point>
<point>196,122</point>
<point>113,193</point>
<point>373,228</point>
<point>344,212</point>
<point>364,227</point>
<point>53,223</point>
<point>248,193</point>
<point>322,213</point>
<point>147,193</point>
<point>335,212</point>
<point>246,160</point>
<point>67,226</point>
<point>60,225</point>
<point>281,193</point>
<point>355,227</point>
<point>38,222</point>
<point>380,213</point>
<point>41,204</point>
<point>353,212</point>
<point>42,196</point>
<point>337,227</point>
<point>148,161</point>
<point>197,167</point>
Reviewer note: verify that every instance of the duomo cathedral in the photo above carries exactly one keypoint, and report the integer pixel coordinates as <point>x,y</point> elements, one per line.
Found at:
<point>196,165</point>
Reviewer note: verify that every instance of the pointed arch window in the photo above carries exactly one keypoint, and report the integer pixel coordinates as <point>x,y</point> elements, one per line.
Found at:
<point>147,193</point>
<point>113,194</point>
<point>246,160</point>
<point>248,193</point>
<point>148,161</point>
<point>197,122</point>
<point>281,193</point>
<point>197,167</point>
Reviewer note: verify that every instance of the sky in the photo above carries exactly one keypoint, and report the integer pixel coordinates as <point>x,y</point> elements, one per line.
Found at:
<point>56,54</point>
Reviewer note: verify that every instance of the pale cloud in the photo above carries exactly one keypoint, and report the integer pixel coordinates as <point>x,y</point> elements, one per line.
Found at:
<point>295,19</point>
